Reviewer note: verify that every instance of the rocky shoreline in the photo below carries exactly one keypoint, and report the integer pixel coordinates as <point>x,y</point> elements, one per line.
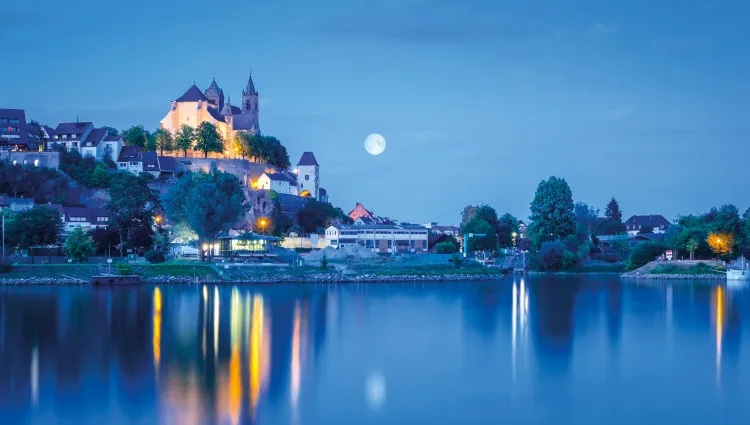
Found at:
<point>288,279</point>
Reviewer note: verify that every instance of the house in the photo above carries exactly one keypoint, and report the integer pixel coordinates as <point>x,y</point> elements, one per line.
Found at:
<point>523,230</point>
<point>368,217</point>
<point>93,145</point>
<point>14,132</point>
<point>167,166</point>
<point>86,218</point>
<point>655,223</point>
<point>380,238</point>
<point>130,159</point>
<point>278,182</point>
<point>16,204</point>
<point>150,163</point>
<point>70,135</point>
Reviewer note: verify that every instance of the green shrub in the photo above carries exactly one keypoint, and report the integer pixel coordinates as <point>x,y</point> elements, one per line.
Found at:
<point>553,255</point>
<point>154,256</point>
<point>446,247</point>
<point>644,253</point>
<point>123,269</point>
<point>457,260</point>
<point>324,262</point>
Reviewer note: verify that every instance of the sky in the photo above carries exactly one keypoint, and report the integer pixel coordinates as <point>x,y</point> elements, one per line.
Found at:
<point>479,100</point>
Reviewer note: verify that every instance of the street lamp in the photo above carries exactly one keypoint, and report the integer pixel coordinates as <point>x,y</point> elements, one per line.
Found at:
<point>263,223</point>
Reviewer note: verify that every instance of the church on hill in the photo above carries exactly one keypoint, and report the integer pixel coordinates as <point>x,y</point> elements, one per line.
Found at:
<point>195,107</point>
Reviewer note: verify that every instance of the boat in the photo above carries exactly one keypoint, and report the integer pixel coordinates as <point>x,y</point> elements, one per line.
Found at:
<point>739,275</point>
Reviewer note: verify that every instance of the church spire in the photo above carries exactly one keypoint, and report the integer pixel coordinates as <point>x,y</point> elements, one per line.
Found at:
<point>227,110</point>
<point>250,88</point>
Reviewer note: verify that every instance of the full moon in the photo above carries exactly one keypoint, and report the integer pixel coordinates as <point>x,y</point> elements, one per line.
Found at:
<point>375,144</point>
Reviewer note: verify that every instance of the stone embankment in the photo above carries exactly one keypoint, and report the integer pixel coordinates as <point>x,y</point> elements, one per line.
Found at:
<point>323,278</point>
<point>333,278</point>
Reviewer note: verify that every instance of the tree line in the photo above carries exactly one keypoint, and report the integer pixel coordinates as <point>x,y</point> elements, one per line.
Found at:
<point>207,139</point>
<point>562,232</point>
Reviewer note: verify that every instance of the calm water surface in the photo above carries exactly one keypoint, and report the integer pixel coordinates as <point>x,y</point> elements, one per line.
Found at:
<point>534,351</point>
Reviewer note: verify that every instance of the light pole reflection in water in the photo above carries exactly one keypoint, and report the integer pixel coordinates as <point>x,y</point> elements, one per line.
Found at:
<point>519,312</point>
<point>157,330</point>
<point>719,301</point>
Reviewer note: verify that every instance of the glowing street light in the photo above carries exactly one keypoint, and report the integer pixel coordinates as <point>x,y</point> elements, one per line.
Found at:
<point>263,224</point>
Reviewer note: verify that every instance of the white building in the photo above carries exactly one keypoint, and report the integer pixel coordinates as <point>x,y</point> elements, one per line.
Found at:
<point>380,238</point>
<point>85,139</point>
<point>279,182</point>
<point>308,176</point>
<point>130,160</point>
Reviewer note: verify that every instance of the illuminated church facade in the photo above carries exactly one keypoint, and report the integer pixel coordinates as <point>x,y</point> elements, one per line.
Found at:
<point>195,107</point>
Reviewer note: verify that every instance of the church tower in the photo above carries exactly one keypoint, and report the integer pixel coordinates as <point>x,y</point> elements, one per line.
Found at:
<point>250,97</point>
<point>215,95</point>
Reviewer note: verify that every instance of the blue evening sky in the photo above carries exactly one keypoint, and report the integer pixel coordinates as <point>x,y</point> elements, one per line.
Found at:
<point>478,99</point>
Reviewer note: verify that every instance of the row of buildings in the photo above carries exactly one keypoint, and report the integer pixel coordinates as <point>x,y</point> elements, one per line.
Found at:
<point>72,217</point>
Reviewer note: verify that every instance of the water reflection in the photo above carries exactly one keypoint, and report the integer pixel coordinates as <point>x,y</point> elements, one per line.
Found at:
<point>239,355</point>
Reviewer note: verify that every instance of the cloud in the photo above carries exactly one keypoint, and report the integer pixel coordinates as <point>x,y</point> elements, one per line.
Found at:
<point>600,29</point>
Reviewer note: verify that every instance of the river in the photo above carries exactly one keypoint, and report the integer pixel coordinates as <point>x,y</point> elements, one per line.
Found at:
<point>540,350</point>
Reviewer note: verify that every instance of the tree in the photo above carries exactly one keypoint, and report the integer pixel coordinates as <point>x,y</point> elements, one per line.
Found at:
<point>151,143</point>
<point>105,239</point>
<point>467,214</point>
<point>480,243</point>
<point>691,246</point>
<point>136,136</point>
<point>613,210</point>
<point>316,216</point>
<point>586,218</point>
<point>448,246</point>
<point>38,226</point>
<point>185,139</point>
<point>164,140</point>
<point>208,139</point>
<point>727,220</point>
<point>207,202</point>
<point>132,204</point>
<point>241,143</point>
<point>611,224</point>
<point>111,131</point>
<point>721,243</point>
<point>280,222</point>
<point>79,245</point>
<point>100,176</point>
<point>507,224</point>
<point>551,211</point>
<point>644,253</point>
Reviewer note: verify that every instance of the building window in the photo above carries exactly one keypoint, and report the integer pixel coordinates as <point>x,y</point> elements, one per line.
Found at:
<point>64,136</point>
<point>75,144</point>
<point>307,177</point>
